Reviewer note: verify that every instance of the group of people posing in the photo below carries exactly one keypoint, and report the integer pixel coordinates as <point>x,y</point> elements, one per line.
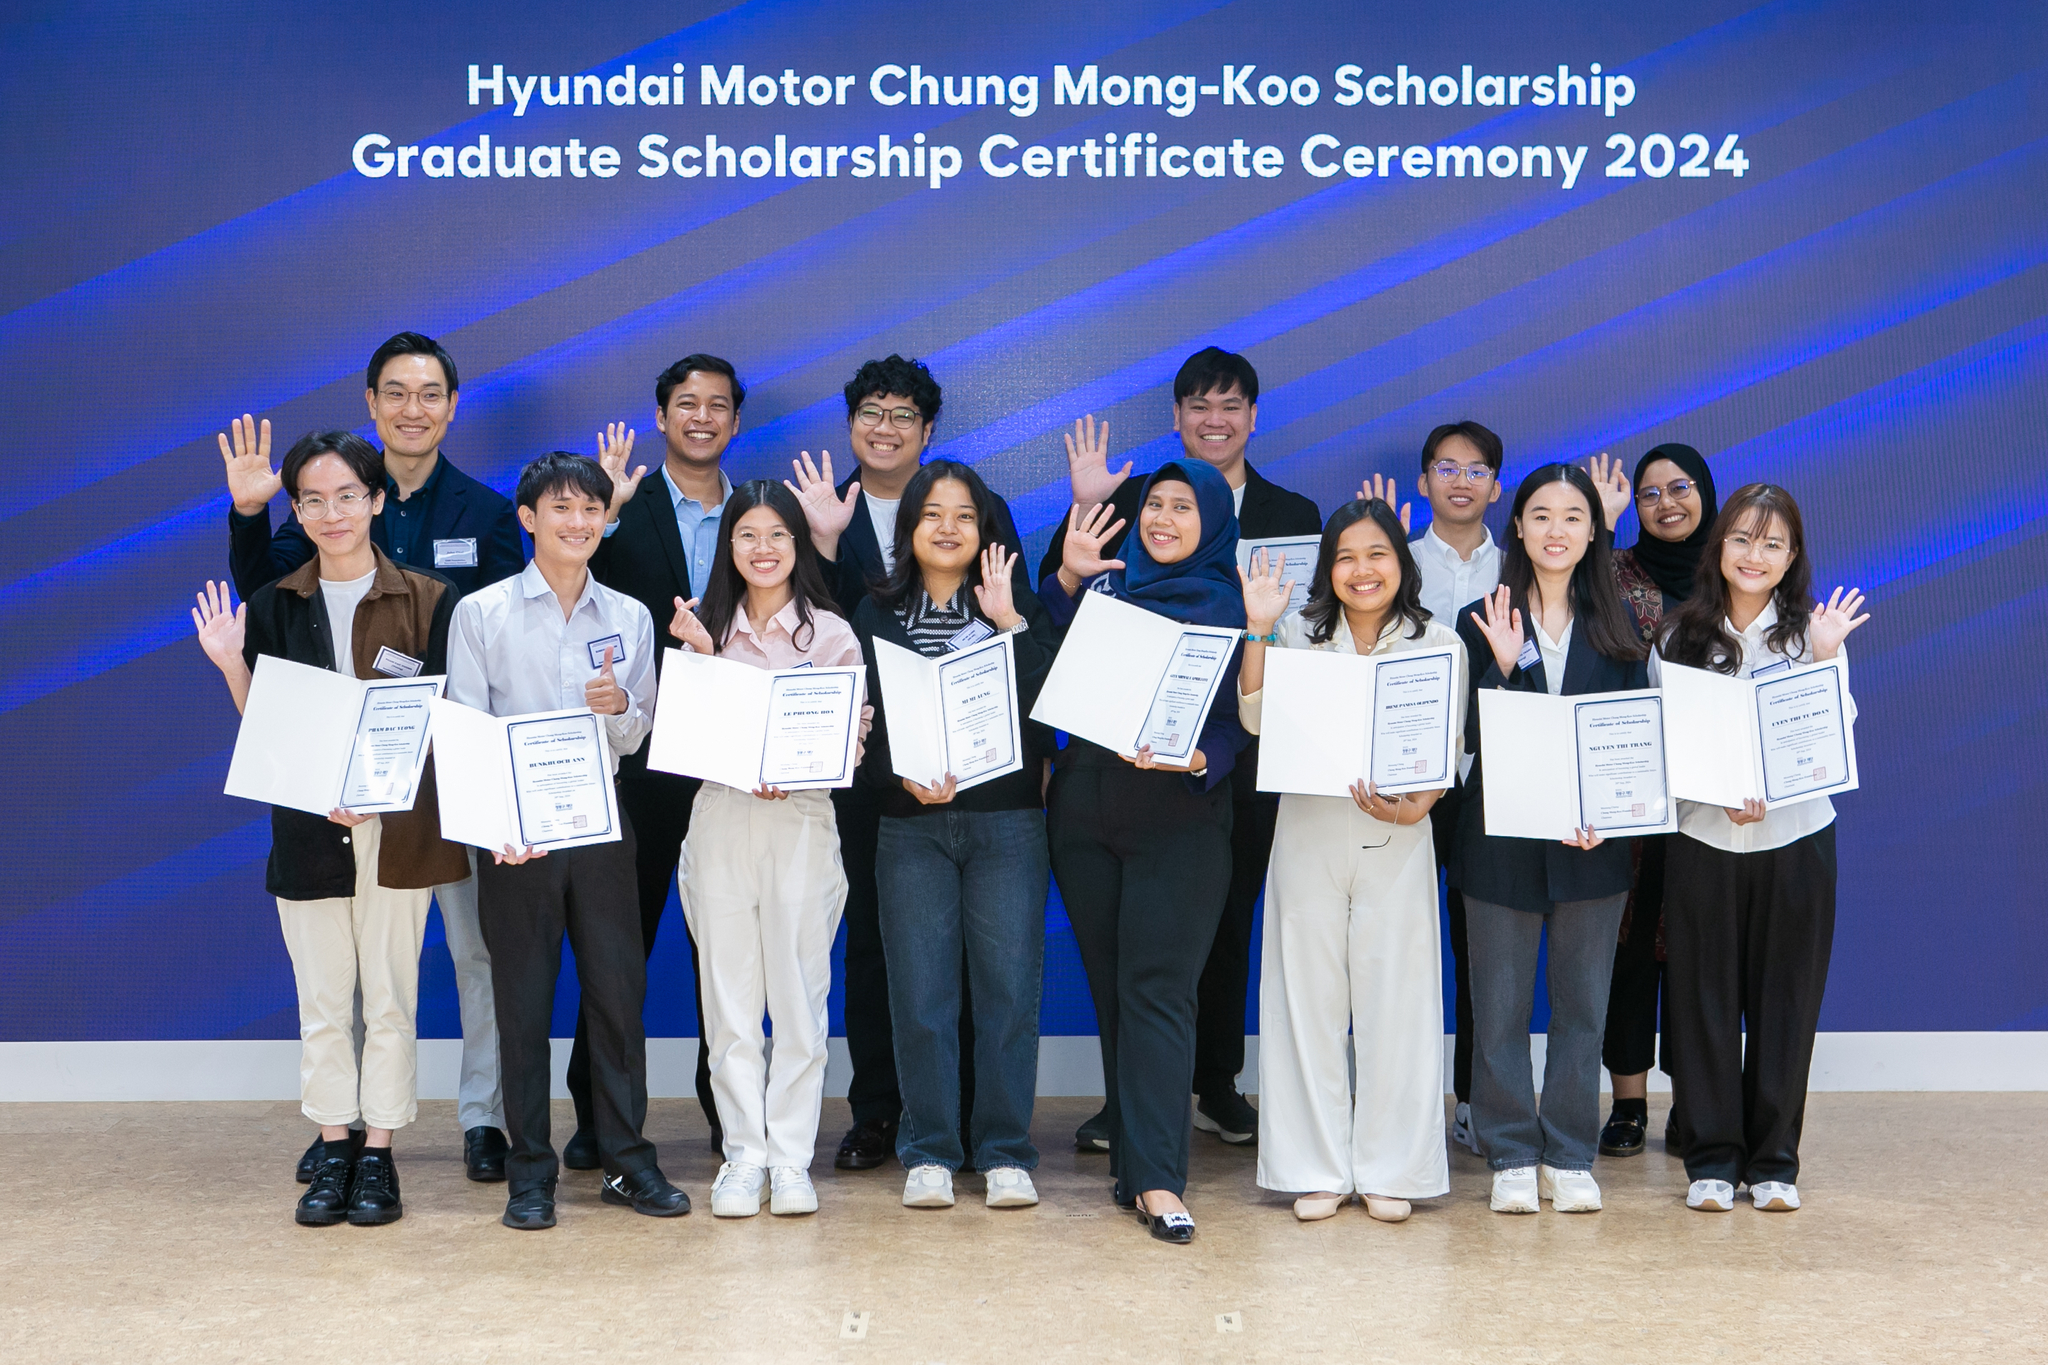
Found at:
<point>395,562</point>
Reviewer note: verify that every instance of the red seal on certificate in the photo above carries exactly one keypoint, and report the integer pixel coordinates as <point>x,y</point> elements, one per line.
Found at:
<point>1421,766</point>
<point>1638,810</point>
<point>1820,774</point>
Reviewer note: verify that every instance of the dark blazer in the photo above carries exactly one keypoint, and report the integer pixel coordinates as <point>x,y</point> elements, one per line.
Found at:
<point>457,508</point>
<point>1035,649</point>
<point>1532,874</point>
<point>859,560</point>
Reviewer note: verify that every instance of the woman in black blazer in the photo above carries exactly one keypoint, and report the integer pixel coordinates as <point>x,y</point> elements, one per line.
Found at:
<point>1556,625</point>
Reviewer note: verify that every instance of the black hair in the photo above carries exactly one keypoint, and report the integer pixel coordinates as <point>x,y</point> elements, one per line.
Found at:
<point>1322,610</point>
<point>1695,632</point>
<point>1485,442</point>
<point>562,471</point>
<point>905,579</point>
<point>408,343</point>
<point>364,460</point>
<point>909,378</point>
<point>698,363</point>
<point>726,594</point>
<point>1596,603</point>
<point>1215,370</point>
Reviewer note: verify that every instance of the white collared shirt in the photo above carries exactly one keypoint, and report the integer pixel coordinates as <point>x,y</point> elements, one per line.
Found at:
<point>1781,825</point>
<point>1554,653</point>
<point>511,653</point>
<point>1449,582</point>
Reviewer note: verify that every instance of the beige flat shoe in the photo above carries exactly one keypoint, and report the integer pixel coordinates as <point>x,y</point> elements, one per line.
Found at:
<point>1387,1210</point>
<point>1311,1208</point>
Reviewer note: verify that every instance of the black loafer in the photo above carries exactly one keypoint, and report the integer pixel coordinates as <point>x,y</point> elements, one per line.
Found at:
<point>1229,1116</point>
<point>373,1197</point>
<point>1093,1136</point>
<point>1624,1135</point>
<point>581,1152</point>
<point>866,1145</point>
<point>310,1158</point>
<point>1176,1228</point>
<point>532,1208</point>
<point>646,1191</point>
<point>483,1154</point>
<point>325,1201</point>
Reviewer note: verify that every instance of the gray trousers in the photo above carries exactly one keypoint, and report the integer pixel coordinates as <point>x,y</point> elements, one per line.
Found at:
<point>1502,945</point>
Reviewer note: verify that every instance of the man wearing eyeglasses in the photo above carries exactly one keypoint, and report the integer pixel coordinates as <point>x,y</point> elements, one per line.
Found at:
<point>433,517</point>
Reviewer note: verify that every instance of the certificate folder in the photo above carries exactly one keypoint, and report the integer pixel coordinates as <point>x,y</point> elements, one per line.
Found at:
<point>536,781</point>
<point>1785,737</point>
<point>954,714</point>
<point>725,721</point>
<point>1555,764</point>
<point>1328,720</point>
<point>1126,677</point>
<point>312,739</point>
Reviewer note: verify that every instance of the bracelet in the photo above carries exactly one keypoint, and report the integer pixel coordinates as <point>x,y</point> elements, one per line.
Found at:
<point>1272,637</point>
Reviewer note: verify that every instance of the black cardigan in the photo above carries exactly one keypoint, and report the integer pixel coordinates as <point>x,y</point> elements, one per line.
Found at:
<point>1534,874</point>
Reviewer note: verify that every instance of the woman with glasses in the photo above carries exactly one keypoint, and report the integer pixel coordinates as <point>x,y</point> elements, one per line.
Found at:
<point>1750,909</point>
<point>762,883</point>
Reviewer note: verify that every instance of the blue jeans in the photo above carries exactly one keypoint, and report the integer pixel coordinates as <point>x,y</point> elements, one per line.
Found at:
<point>964,886</point>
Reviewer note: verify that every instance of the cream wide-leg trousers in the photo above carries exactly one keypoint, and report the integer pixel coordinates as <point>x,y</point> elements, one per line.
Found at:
<point>1351,946</point>
<point>762,891</point>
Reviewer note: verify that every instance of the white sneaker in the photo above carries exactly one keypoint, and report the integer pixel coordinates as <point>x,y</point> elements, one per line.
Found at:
<point>929,1186</point>
<point>1568,1191</point>
<point>1714,1196</point>
<point>1774,1196</point>
<point>737,1191</point>
<point>1514,1191</point>
<point>791,1191</point>
<point>1461,1128</point>
<point>1010,1187</point>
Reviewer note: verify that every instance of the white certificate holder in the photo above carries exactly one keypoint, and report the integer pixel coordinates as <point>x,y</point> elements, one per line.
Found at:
<point>303,742</point>
<point>922,737</point>
<point>711,721</point>
<point>1530,745</point>
<point>1315,736</point>
<point>1299,566</point>
<point>1110,669</point>
<point>1718,725</point>
<point>473,769</point>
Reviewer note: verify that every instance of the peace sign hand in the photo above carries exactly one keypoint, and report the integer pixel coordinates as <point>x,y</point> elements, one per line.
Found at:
<point>1502,627</point>
<point>997,601</point>
<point>614,448</point>
<point>687,628</point>
<point>252,483</point>
<point>1833,620</point>
<point>1081,552</point>
<point>1612,482</point>
<point>1088,471</point>
<point>1265,594</point>
<point>1386,490</point>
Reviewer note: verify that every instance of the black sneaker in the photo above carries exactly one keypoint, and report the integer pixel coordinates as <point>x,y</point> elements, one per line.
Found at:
<point>373,1197</point>
<point>866,1145</point>
<point>1624,1135</point>
<point>531,1207</point>
<point>1093,1136</point>
<point>581,1152</point>
<point>646,1191</point>
<point>1229,1116</point>
<point>483,1154</point>
<point>325,1201</point>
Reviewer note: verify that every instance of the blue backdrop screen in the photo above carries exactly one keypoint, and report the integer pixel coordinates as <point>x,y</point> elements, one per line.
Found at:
<point>1803,237</point>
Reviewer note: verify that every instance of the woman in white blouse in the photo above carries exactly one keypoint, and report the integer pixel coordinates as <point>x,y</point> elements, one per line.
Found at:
<point>1749,911</point>
<point>1351,940</point>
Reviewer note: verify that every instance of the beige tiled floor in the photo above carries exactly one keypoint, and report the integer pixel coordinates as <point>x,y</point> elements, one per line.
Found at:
<point>163,1232</point>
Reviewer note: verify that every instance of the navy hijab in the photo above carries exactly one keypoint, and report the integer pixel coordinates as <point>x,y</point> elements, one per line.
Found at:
<point>1671,563</point>
<point>1203,589</point>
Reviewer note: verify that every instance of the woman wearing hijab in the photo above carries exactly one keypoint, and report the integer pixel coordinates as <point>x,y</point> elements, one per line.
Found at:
<point>1140,848</point>
<point>1675,502</point>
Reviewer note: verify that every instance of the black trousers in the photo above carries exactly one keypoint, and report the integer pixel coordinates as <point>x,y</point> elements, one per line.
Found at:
<point>1143,865</point>
<point>1633,998</point>
<point>1746,938</point>
<point>1226,976</point>
<point>872,1091</point>
<point>587,893</point>
<point>658,805</point>
<point>1443,821</point>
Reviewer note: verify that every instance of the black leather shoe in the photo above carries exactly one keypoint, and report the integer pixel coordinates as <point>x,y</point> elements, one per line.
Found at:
<point>532,1208</point>
<point>866,1146</point>
<point>373,1198</point>
<point>646,1191</point>
<point>1229,1116</point>
<point>483,1154</point>
<point>325,1201</point>
<point>1177,1228</point>
<point>1093,1136</point>
<point>581,1152</point>
<point>310,1158</point>
<point>1624,1135</point>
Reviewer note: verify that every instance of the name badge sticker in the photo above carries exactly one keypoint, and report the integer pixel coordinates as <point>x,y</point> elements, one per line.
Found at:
<point>1782,666</point>
<point>1530,655</point>
<point>617,643</point>
<point>392,664</point>
<point>973,633</point>
<point>455,554</point>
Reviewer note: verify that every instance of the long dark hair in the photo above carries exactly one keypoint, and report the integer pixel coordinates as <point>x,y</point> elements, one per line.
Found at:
<point>727,591</point>
<point>1696,633</point>
<point>906,579</point>
<point>1595,601</point>
<point>1322,610</point>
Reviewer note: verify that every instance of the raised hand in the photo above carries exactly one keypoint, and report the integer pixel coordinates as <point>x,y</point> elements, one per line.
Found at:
<point>1612,482</point>
<point>221,625</point>
<point>1088,471</point>
<point>997,601</point>
<point>1266,594</point>
<point>937,795</point>
<point>614,449</point>
<point>1833,620</point>
<point>1502,626</point>
<point>602,694</point>
<point>1386,490</point>
<point>824,509</point>
<point>1081,552</point>
<point>686,627</point>
<point>252,483</point>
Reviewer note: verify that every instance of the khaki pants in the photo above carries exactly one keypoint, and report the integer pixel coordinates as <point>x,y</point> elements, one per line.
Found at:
<point>369,940</point>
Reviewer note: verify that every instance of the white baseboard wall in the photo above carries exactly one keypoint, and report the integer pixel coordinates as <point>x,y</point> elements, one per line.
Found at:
<point>269,1070</point>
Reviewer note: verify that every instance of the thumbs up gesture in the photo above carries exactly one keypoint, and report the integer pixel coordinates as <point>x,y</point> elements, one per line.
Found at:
<point>602,694</point>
